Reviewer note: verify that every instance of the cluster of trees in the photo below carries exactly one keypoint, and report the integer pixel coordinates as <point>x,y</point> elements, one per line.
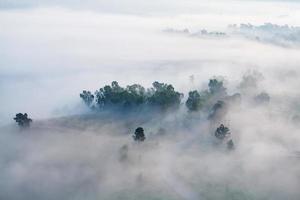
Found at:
<point>160,95</point>
<point>200,33</point>
<point>213,97</point>
<point>213,100</point>
<point>164,96</point>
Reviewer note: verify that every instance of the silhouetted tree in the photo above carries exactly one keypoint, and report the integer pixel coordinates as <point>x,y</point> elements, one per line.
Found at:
<point>23,120</point>
<point>139,134</point>
<point>87,97</point>
<point>222,132</point>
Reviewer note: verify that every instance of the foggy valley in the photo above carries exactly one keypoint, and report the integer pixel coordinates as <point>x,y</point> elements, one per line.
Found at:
<point>171,99</point>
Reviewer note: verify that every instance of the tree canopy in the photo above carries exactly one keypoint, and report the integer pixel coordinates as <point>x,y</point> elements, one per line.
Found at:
<point>206,98</point>
<point>164,96</point>
<point>161,95</point>
<point>194,101</point>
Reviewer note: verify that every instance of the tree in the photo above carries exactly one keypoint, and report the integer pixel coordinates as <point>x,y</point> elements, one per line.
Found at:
<point>135,95</point>
<point>216,87</point>
<point>23,120</point>
<point>194,101</point>
<point>139,134</point>
<point>206,98</point>
<point>87,97</point>
<point>164,96</point>
<point>222,132</point>
<point>118,97</point>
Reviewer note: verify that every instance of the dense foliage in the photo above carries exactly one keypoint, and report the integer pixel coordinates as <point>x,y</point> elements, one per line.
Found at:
<point>194,101</point>
<point>161,95</point>
<point>164,96</point>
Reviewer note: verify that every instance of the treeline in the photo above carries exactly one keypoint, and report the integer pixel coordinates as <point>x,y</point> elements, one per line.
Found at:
<point>161,95</point>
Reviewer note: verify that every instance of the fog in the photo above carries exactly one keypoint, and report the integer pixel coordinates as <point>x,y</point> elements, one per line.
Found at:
<point>52,50</point>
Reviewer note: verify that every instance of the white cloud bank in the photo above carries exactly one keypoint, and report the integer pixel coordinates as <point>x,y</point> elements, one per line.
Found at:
<point>51,52</point>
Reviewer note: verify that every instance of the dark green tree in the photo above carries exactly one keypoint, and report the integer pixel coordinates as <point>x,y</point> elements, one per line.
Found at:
<point>194,101</point>
<point>216,87</point>
<point>135,95</point>
<point>23,120</point>
<point>139,134</point>
<point>164,96</point>
<point>116,96</point>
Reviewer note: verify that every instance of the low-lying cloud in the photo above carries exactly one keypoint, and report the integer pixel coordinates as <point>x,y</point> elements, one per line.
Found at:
<point>281,35</point>
<point>52,51</point>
